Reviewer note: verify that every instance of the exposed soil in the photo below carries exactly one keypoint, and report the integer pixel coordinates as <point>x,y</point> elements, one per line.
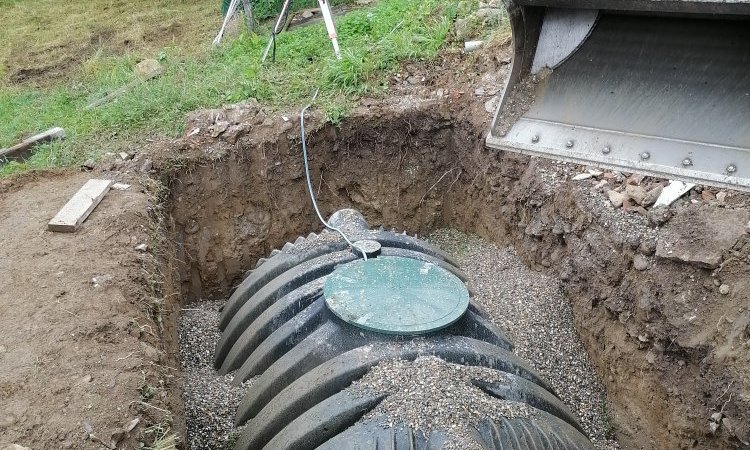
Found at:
<point>78,352</point>
<point>669,344</point>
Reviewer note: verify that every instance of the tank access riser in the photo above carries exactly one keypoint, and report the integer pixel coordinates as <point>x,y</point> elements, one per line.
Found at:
<point>656,87</point>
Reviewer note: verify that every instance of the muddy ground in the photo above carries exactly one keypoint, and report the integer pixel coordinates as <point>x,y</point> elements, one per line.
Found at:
<point>669,337</point>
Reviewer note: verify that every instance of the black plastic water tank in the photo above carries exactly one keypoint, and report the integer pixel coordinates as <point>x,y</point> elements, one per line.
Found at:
<point>278,327</point>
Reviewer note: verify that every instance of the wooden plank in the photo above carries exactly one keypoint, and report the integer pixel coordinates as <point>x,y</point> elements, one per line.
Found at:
<point>78,208</point>
<point>25,145</point>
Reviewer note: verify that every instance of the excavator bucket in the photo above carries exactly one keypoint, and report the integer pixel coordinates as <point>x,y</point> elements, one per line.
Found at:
<point>659,87</point>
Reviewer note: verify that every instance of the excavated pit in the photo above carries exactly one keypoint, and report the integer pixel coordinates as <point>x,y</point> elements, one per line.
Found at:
<point>418,167</point>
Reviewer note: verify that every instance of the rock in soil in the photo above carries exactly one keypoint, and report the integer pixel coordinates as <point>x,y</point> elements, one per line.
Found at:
<point>700,235</point>
<point>617,198</point>
<point>640,262</point>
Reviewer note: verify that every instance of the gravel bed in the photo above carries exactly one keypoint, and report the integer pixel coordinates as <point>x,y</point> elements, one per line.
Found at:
<point>537,318</point>
<point>210,399</point>
<point>429,393</point>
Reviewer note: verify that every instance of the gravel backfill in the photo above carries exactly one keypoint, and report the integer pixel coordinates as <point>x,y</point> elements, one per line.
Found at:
<point>531,308</point>
<point>210,399</point>
<point>429,393</point>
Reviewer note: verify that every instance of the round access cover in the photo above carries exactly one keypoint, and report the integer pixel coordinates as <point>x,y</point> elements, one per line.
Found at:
<point>396,295</point>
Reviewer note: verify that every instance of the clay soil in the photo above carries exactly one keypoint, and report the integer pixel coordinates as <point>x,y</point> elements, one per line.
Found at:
<point>670,349</point>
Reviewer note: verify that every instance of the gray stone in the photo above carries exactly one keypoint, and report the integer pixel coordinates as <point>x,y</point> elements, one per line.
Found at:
<point>146,166</point>
<point>491,105</point>
<point>640,262</point>
<point>724,289</point>
<point>700,235</point>
<point>89,164</point>
<point>148,68</point>
<point>659,215</point>
<point>489,13</point>
<point>647,247</point>
<point>462,29</point>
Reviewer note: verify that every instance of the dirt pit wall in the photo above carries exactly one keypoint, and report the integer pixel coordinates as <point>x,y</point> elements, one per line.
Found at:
<point>668,335</point>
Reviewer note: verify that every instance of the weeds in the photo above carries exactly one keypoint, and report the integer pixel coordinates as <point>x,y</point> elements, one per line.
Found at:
<point>163,438</point>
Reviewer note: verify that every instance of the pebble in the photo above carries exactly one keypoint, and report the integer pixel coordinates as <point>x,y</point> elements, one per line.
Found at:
<point>148,68</point>
<point>598,186</point>
<point>659,215</point>
<point>616,198</point>
<point>652,195</point>
<point>640,262</point>
<point>724,289</point>
<point>491,105</point>
<point>89,164</point>
<point>142,247</point>
<point>637,193</point>
<point>582,176</point>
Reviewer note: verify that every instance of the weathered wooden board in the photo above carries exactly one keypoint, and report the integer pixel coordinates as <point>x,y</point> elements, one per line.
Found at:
<point>27,144</point>
<point>78,208</point>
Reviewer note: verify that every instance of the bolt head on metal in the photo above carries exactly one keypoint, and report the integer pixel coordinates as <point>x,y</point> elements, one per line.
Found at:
<point>535,138</point>
<point>570,144</point>
<point>687,162</point>
<point>731,168</point>
<point>606,150</point>
<point>645,155</point>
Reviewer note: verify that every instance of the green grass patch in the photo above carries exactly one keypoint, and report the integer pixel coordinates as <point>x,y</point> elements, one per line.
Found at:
<point>374,41</point>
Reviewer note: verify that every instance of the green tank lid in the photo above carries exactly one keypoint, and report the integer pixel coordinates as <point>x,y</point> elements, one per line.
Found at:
<point>396,295</point>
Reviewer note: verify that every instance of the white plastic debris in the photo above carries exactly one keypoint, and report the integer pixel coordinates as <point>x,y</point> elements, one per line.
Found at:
<point>470,46</point>
<point>672,192</point>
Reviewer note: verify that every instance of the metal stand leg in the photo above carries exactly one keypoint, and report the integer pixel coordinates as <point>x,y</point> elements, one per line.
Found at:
<point>277,28</point>
<point>325,9</point>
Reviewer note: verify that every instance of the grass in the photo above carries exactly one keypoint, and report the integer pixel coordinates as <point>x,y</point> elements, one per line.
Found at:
<point>374,41</point>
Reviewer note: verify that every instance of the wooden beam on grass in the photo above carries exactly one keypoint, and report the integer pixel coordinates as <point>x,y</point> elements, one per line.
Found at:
<point>78,208</point>
<point>20,149</point>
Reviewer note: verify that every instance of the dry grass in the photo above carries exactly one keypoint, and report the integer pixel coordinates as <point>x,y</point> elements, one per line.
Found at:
<point>47,41</point>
